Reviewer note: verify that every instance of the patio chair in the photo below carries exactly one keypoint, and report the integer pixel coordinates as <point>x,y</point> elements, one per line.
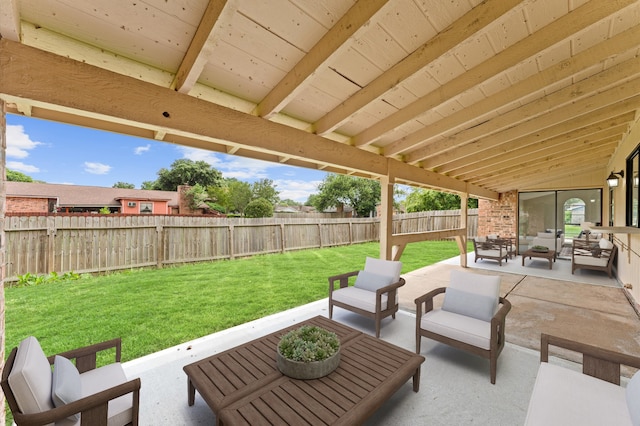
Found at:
<point>71,394</point>
<point>374,293</point>
<point>593,254</point>
<point>491,248</point>
<point>472,317</point>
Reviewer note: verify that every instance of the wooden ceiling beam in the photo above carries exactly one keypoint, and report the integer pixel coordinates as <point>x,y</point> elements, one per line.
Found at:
<point>472,22</point>
<point>599,53</point>
<point>562,162</point>
<point>332,44</point>
<point>125,103</point>
<point>469,144</point>
<point>201,47</point>
<point>10,20</point>
<point>505,155</point>
<point>553,33</point>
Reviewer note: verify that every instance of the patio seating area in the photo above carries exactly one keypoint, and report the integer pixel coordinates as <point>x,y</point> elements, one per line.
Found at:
<point>587,306</point>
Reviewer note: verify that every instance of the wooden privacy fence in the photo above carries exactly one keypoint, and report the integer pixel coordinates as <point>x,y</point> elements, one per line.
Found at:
<point>99,243</point>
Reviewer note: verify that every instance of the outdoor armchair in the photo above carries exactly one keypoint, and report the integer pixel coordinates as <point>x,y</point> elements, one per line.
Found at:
<point>79,394</point>
<point>598,255</point>
<point>472,317</point>
<point>491,248</point>
<point>374,293</point>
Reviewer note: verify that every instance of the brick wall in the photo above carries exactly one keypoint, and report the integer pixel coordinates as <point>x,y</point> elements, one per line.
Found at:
<point>27,205</point>
<point>498,217</point>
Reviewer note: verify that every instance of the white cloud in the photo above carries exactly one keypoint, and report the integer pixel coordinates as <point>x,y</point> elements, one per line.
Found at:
<point>296,190</point>
<point>19,166</point>
<point>139,150</point>
<point>96,168</point>
<point>18,142</point>
<point>194,154</point>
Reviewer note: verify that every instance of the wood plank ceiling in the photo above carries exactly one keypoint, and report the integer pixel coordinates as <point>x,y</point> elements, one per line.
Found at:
<point>486,96</point>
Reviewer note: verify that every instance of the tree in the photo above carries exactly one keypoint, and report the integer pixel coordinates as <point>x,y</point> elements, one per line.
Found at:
<point>123,185</point>
<point>187,172</point>
<point>148,185</point>
<point>420,200</point>
<point>264,188</point>
<point>259,208</point>
<point>196,195</point>
<point>363,195</point>
<point>13,176</point>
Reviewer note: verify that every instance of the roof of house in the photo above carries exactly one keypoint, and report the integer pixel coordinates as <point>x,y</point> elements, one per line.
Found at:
<point>96,196</point>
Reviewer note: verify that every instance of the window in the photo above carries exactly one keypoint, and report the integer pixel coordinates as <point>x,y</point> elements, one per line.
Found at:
<point>633,194</point>
<point>146,208</point>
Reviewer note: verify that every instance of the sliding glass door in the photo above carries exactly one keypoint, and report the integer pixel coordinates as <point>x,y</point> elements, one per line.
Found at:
<point>558,212</point>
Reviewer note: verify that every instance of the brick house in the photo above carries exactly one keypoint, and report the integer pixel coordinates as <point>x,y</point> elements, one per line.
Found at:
<point>27,197</point>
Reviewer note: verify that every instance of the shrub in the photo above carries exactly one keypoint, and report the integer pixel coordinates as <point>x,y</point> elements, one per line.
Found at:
<point>259,208</point>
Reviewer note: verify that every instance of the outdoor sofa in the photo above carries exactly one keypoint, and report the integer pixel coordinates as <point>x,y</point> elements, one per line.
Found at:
<point>563,396</point>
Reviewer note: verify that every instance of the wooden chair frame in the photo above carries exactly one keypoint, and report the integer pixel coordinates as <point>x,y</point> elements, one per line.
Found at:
<point>390,290</point>
<point>424,304</point>
<point>93,408</point>
<point>584,248</point>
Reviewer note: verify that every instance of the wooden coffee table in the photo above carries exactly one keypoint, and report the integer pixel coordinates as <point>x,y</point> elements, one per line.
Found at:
<point>244,386</point>
<point>549,255</point>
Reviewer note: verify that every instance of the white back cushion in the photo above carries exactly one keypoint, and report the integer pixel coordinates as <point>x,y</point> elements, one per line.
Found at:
<point>486,285</point>
<point>472,295</point>
<point>605,244</point>
<point>372,282</point>
<point>65,387</point>
<point>30,378</point>
<point>389,268</point>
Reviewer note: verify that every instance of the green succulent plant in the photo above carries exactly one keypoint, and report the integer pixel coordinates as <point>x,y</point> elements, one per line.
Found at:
<point>308,344</point>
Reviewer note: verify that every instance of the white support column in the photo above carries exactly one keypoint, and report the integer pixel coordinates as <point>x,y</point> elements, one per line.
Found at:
<point>386,217</point>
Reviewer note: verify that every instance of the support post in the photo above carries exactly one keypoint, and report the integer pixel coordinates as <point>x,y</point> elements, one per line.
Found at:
<point>462,240</point>
<point>3,204</point>
<point>386,217</point>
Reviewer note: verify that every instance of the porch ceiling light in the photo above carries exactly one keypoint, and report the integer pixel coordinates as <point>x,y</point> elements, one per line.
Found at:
<point>613,179</point>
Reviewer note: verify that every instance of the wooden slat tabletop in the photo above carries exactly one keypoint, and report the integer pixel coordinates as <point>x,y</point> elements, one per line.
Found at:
<point>228,376</point>
<point>370,371</point>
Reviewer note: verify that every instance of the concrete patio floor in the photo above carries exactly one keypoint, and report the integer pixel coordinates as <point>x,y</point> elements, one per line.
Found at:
<point>455,386</point>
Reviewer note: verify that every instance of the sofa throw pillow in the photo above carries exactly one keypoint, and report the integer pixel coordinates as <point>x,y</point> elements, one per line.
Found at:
<point>65,386</point>
<point>372,282</point>
<point>605,244</point>
<point>469,304</point>
<point>633,396</point>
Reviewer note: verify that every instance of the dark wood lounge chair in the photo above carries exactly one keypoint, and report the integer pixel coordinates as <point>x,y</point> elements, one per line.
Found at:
<point>597,255</point>
<point>88,395</point>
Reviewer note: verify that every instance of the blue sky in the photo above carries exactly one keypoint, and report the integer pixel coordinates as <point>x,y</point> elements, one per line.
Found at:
<point>58,153</point>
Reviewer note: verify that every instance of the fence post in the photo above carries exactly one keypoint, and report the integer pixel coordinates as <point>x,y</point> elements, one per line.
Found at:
<point>350,231</point>
<point>51,237</point>
<point>282,237</point>
<point>231,254</point>
<point>320,234</point>
<point>160,250</point>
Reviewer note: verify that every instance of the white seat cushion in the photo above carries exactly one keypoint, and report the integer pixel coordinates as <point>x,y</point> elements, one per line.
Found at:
<point>30,378</point>
<point>458,327</point>
<point>491,253</point>
<point>359,298</point>
<point>591,261</point>
<point>94,381</point>
<point>567,397</point>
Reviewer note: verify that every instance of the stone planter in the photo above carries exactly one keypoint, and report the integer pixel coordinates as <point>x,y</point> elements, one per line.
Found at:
<point>307,370</point>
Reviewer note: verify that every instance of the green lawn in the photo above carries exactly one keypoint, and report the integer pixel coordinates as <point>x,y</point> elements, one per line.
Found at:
<point>155,309</point>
